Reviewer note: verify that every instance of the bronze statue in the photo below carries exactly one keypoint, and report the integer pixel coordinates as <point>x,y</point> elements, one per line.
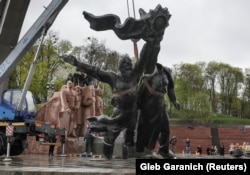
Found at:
<point>153,123</point>
<point>150,27</point>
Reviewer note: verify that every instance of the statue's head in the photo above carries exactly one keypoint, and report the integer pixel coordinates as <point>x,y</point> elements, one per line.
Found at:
<point>98,91</point>
<point>69,84</point>
<point>78,90</point>
<point>125,66</point>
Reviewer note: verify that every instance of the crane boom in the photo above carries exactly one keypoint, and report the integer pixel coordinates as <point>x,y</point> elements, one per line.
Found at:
<point>45,20</point>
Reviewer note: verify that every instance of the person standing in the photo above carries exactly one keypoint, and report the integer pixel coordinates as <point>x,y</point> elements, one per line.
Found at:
<point>199,150</point>
<point>231,148</point>
<point>222,149</point>
<point>173,142</point>
<point>215,150</point>
<point>188,146</point>
<point>89,139</point>
<point>52,146</point>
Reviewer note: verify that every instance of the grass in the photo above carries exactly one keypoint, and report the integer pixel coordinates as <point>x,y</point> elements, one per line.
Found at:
<point>211,121</point>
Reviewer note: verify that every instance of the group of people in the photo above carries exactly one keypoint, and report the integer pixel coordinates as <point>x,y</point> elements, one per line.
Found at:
<point>245,147</point>
<point>212,150</point>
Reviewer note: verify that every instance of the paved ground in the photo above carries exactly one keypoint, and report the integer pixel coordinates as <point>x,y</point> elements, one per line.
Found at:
<point>43,165</point>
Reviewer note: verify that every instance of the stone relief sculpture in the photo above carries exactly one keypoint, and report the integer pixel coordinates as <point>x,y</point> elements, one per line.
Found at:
<point>68,108</point>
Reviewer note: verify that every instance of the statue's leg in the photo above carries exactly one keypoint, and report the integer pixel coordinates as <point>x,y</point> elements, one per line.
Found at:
<point>129,137</point>
<point>73,124</point>
<point>108,143</point>
<point>140,134</point>
<point>130,132</point>
<point>164,140</point>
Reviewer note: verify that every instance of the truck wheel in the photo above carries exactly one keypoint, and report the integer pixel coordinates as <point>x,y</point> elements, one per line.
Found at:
<point>17,148</point>
<point>2,142</point>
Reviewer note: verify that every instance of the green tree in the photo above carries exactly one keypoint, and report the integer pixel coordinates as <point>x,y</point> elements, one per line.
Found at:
<point>97,54</point>
<point>245,102</point>
<point>211,73</point>
<point>46,68</point>
<point>229,80</point>
<point>190,90</point>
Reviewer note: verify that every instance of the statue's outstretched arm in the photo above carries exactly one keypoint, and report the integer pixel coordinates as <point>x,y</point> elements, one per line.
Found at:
<point>171,88</point>
<point>93,71</point>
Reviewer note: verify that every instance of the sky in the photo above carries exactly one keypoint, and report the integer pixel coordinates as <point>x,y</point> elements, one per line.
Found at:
<point>199,30</point>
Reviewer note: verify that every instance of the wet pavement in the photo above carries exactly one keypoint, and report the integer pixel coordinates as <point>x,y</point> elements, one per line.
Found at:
<point>44,165</point>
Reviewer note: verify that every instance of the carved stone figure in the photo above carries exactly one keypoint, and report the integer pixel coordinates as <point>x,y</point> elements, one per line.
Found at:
<point>49,113</point>
<point>99,104</point>
<point>88,103</point>
<point>68,113</point>
<point>79,111</point>
<point>53,108</point>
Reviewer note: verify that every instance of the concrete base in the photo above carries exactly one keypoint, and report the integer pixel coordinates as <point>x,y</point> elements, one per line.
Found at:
<point>77,146</point>
<point>7,159</point>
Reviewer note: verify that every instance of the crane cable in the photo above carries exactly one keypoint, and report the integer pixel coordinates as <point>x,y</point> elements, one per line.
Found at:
<point>133,40</point>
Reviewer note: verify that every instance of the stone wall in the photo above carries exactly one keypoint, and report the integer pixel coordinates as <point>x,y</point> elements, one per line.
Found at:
<point>197,135</point>
<point>72,146</point>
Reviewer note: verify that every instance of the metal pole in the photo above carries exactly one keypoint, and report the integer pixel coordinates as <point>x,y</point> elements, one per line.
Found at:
<point>31,72</point>
<point>128,8</point>
<point>63,145</point>
<point>134,8</point>
<point>63,148</point>
<point>7,158</point>
<point>8,148</point>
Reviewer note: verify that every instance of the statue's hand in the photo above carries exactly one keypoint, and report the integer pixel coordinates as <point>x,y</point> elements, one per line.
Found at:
<point>150,36</point>
<point>69,59</point>
<point>176,105</point>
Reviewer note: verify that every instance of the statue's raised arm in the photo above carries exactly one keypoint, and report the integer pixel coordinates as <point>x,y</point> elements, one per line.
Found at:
<point>150,27</point>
